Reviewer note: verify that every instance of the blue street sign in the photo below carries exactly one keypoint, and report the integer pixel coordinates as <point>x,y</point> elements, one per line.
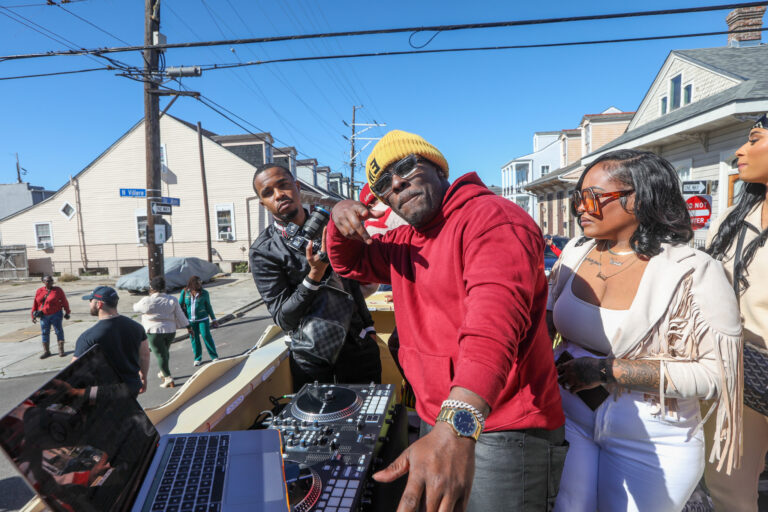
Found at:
<point>133,192</point>
<point>173,201</point>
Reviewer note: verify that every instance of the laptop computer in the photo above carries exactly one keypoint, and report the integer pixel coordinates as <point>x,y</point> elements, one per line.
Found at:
<point>84,443</point>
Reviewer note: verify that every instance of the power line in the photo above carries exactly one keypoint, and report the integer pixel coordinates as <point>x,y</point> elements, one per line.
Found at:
<point>211,67</point>
<point>107,68</point>
<point>47,4</point>
<point>439,28</point>
<point>92,24</point>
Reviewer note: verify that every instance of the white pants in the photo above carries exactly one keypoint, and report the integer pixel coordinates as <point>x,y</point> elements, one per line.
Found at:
<point>623,457</point>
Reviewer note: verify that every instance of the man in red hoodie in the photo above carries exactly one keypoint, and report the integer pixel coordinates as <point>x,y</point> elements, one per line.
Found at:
<point>466,275</point>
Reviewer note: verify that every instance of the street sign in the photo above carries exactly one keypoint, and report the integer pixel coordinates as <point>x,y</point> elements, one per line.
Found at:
<point>161,209</point>
<point>133,192</point>
<point>700,210</point>
<point>696,187</point>
<point>160,234</point>
<point>173,201</point>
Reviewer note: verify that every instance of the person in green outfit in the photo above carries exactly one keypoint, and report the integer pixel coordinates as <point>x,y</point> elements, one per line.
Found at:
<point>196,304</point>
<point>161,316</point>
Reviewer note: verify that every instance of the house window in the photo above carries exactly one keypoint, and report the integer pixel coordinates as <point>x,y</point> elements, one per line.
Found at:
<point>141,228</point>
<point>687,93</point>
<point>43,235</point>
<point>67,210</point>
<point>521,173</point>
<point>544,169</point>
<point>663,105</point>
<point>675,91</point>
<point>683,169</point>
<point>225,224</point>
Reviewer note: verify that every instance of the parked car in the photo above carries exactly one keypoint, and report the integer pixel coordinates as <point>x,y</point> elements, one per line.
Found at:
<point>549,257</point>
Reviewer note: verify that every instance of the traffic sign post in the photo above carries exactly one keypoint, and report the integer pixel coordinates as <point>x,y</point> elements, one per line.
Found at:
<point>133,192</point>
<point>696,187</point>
<point>700,210</point>
<point>161,209</point>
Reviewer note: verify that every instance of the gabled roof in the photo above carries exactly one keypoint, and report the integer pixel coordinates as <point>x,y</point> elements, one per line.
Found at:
<point>749,64</point>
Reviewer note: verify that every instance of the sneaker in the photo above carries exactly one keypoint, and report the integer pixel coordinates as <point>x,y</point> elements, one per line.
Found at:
<point>168,383</point>
<point>160,375</point>
<point>198,363</point>
<point>214,359</point>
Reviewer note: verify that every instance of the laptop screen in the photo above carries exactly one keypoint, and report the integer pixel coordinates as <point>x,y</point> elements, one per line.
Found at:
<point>82,441</point>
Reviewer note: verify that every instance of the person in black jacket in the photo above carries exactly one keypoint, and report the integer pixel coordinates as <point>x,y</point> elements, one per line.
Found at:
<point>290,282</point>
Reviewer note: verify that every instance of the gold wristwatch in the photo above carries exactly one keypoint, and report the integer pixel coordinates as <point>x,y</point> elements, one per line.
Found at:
<point>464,422</point>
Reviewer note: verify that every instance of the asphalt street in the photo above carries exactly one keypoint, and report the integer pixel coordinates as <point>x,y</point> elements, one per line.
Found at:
<point>232,338</point>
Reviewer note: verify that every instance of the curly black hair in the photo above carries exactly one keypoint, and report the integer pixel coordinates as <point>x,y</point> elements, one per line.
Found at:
<point>752,195</point>
<point>659,205</point>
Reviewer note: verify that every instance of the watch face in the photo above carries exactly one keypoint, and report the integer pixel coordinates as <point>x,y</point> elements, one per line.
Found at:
<point>464,422</point>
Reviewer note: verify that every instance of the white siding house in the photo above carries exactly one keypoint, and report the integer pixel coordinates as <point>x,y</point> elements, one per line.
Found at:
<point>87,226</point>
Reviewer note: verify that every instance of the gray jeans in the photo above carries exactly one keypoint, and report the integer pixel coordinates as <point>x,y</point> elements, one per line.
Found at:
<point>516,469</point>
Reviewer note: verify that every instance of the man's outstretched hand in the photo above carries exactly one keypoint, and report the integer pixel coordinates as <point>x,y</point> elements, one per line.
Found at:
<point>440,466</point>
<point>350,216</point>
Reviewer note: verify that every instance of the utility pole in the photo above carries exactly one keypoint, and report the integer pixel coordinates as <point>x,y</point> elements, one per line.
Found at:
<point>352,155</point>
<point>152,136</point>
<point>356,136</point>
<point>205,193</point>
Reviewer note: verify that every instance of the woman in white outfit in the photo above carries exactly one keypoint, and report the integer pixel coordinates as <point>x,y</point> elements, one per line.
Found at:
<point>652,326</point>
<point>161,316</point>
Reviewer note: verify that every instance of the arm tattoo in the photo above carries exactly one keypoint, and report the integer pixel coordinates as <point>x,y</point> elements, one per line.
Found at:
<point>639,375</point>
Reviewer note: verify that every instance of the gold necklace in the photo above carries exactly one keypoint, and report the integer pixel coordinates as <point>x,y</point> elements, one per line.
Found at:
<point>624,253</point>
<point>606,277</point>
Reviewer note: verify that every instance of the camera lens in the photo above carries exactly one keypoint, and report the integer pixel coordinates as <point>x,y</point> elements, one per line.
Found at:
<point>315,224</point>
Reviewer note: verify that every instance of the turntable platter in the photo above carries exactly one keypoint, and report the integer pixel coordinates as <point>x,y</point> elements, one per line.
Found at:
<point>325,402</point>
<point>303,486</point>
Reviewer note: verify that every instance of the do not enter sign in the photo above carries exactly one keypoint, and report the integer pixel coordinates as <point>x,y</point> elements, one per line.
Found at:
<point>700,210</point>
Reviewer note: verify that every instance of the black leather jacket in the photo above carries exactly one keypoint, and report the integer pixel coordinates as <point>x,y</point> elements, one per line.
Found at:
<point>278,272</point>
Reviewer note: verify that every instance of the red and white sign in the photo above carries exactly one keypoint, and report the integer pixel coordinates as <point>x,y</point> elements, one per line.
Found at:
<point>700,210</point>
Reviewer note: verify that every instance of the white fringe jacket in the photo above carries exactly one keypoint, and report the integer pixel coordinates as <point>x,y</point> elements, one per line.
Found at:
<point>684,311</point>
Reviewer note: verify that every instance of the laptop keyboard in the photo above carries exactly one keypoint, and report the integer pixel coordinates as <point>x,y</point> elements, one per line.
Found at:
<point>193,478</point>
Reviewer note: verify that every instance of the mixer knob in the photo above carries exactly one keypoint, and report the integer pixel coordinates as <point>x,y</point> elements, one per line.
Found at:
<point>304,443</point>
<point>323,441</point>
<point>315,442</point>
<point>334,444</point>
<point>277,421</point>
<point>315,423</point>
<point>305,423</point>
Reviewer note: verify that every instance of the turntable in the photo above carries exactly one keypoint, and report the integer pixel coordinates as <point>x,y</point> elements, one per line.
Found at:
<point>303,485</point>
<point>325,403</point>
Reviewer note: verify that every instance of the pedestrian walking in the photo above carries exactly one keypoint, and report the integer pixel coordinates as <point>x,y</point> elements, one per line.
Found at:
<point>196,304</point>
<point>50,306</point>
<point>122,340</point>
<point>161,316</point>
<point>738,239</point>
<point>651,327</point>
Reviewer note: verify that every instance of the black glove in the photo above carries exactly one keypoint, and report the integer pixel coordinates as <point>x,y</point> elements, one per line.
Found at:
<point>66,317</point>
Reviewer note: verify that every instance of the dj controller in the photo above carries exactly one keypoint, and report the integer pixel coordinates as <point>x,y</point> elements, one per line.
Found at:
<point>332,439</point>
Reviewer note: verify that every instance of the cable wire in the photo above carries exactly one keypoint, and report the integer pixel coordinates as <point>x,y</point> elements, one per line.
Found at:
<point>107,68</point>
<point>211,67</point>
<point>441,28</point>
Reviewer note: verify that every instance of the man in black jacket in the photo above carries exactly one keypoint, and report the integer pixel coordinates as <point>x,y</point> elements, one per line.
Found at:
<point>290,282</point>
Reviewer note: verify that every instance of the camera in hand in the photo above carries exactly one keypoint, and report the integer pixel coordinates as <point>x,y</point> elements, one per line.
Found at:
<point>311,231</point>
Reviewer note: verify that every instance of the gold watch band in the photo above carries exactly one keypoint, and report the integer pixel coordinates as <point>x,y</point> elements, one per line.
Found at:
<point>447,414</point>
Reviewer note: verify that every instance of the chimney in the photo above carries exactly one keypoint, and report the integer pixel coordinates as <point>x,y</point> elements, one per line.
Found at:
<point>745,18</point>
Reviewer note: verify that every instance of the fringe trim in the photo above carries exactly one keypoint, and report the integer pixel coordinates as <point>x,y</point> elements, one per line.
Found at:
<point>676,337</point>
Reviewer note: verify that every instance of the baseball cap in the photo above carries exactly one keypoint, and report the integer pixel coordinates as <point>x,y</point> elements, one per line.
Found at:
<point>105,294</point>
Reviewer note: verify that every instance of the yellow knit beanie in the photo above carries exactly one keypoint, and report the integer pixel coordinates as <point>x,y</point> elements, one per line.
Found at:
<point>395,146</point>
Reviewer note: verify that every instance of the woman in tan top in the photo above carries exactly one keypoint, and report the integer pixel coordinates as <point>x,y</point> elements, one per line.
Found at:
<point>652,327</point>
<point>738,492</point>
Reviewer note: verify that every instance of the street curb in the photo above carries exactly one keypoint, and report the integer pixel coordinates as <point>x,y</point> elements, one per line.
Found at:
<point>226,318</point>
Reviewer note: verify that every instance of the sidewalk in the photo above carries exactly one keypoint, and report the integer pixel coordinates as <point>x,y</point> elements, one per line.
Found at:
<point>20,340</point>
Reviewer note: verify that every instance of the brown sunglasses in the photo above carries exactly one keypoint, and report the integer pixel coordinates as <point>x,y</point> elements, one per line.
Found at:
<point>592,201</point>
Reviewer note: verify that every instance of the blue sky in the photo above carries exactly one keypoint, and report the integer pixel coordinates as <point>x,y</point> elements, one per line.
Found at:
<point>479,108</point>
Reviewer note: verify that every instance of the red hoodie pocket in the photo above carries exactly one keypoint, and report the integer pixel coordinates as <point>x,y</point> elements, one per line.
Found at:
<point>430,375</point>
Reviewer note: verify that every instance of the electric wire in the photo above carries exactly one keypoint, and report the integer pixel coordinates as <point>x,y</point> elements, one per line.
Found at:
<point>211,67</point>
<point>55,73</point>
<point>441,28</point>
<point>47,4</point>
<point>92,24</point>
